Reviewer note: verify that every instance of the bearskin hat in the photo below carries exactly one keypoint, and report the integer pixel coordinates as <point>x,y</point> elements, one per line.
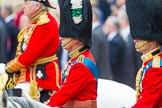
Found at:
<point>76,20</point>
<point>145,18</point>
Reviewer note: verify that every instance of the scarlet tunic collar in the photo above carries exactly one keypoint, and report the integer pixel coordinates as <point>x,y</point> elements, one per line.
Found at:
<point>36,18</point>
<point>150,54</point>
<point>77,52</point>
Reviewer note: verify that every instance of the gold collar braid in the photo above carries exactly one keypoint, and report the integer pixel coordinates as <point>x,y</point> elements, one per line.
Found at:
<point>36,18</point>
<point>77,52</point>
<point>150,54</point>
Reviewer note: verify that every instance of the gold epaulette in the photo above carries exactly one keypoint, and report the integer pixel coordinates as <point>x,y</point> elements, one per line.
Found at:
<point>156,62</point>
<point>80,59</point>
<point>14,66</point>
<point>43,19</point>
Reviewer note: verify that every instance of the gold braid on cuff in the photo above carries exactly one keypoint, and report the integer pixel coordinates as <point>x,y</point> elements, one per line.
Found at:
<point>14,66</point>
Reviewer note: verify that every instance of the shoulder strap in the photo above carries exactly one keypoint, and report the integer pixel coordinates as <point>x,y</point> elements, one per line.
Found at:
<point>156,63</point>
<point>90,64</point>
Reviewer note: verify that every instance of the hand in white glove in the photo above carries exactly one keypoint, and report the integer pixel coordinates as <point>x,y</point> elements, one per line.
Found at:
<point>3,80</point>
<point>3,76</point>
<point>2,68</point>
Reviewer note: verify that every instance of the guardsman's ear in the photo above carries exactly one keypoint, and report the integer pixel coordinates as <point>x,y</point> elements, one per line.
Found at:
<point>37,5</point>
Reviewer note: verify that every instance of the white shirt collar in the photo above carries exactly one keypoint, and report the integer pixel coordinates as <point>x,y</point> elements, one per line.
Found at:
<point>111,36</point>
<point>125,32</point>
<point>9,18</point>
<point>94,25</point>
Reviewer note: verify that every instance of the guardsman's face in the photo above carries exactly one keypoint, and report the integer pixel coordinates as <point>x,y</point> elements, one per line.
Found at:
<point>30,8</point>
<point>140,45</point>
<point>71,44</point>
<point>66,43</point>
<point>144,46</point>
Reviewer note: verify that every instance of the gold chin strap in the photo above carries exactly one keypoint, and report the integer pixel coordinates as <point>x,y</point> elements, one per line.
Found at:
<point>65,42</point>
<point>141,44</point>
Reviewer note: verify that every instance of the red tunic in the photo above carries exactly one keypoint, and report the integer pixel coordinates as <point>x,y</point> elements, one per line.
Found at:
<point>80,84</point>
<point>39,40</point>
<point>151,94</point>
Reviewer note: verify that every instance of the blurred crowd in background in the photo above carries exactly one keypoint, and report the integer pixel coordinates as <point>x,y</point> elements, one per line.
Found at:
<point>112,45</point>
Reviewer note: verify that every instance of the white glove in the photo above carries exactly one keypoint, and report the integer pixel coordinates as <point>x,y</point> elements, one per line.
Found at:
<point>3,76</point>
<point>3,80</point>
<point>2,68</point>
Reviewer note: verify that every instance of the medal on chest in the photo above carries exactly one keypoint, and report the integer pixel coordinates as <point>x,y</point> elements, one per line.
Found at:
<point>26,37</point>
<point>65,71</point>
